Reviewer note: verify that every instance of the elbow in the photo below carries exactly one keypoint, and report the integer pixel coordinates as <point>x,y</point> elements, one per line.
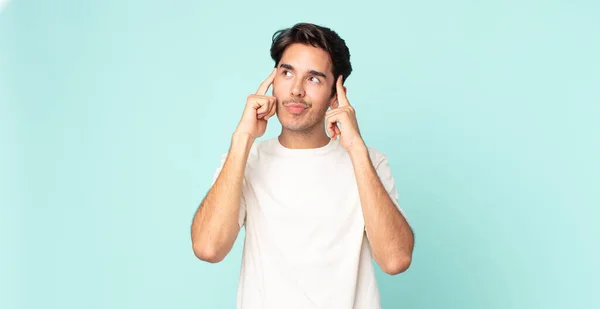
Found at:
<point>207,253</point>
<point>397,266</point>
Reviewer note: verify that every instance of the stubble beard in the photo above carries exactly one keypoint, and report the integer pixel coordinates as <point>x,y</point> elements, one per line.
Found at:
<point>307,123</point>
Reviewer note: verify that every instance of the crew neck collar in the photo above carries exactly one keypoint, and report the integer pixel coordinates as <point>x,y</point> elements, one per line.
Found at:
<point>304,151</point>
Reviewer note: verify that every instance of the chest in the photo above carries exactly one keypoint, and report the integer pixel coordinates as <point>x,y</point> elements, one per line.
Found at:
<point>309,210</point>
<point>301,190</point>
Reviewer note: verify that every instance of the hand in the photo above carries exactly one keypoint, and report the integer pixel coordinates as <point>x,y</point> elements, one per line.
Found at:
<point>341,121</point>
<point>259,108</point>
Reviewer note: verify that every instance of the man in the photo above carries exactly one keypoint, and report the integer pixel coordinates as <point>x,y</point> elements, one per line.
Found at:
<point>317,209</point>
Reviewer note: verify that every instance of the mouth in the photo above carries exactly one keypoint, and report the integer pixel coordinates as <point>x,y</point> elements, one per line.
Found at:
<point>295,108</point>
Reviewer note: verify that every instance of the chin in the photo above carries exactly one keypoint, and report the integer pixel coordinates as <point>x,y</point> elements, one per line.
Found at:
<point>294,126</point>
<point>297,126</point>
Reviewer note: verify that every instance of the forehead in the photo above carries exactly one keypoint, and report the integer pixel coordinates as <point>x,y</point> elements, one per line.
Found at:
<point>307,57</point>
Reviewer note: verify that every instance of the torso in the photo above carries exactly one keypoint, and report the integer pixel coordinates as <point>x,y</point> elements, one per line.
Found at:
<point>305,245</point>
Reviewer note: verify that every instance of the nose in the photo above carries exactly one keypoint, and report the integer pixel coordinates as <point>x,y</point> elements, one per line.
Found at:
<point>298,88</point>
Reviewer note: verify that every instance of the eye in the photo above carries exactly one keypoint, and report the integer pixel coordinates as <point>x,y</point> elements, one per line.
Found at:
<point>315,80</point>
<point>287,73</point>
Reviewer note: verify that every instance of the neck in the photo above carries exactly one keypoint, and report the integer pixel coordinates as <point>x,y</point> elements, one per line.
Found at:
<point>312,138</point>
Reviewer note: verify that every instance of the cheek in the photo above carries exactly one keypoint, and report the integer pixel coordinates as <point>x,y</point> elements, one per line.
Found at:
<point>318,95</point>
<point>278,86</point>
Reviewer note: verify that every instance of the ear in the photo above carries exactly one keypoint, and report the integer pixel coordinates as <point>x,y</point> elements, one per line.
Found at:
<point>334,104</point>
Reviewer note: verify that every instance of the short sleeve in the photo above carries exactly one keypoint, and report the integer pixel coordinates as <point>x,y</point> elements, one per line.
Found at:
<point>384,172</point>
<point>242,216</point>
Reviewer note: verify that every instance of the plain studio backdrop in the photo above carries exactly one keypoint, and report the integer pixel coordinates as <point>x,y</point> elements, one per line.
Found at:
<point>114,115</point>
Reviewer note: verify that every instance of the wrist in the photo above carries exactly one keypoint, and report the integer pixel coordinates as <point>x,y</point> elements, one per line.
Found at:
<point>358,150</point>
<point>241,141</point>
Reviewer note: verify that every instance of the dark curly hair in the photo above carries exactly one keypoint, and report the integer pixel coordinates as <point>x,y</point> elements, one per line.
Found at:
<point>317,36</point>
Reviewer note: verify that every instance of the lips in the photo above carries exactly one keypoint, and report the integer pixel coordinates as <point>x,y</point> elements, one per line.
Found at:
<point>295,108</point>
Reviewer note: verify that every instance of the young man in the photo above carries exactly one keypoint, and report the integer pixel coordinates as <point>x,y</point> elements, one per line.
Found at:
<point>317,209</point>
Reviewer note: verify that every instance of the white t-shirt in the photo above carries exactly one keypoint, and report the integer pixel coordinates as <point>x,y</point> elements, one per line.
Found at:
<point>305,244</point>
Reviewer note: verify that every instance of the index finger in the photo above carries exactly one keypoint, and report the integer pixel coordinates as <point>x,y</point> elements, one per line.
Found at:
<point>262,90</point>
<point>341,93</point>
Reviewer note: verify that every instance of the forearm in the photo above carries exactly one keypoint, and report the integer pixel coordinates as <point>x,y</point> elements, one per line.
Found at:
<point>389,234</point>
<point>215,225</point>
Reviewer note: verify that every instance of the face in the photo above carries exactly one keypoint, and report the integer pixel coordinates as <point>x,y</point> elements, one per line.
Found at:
<point>302,87</point>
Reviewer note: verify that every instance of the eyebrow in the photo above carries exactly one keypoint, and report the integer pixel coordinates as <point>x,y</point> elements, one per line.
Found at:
<point>313,72</point>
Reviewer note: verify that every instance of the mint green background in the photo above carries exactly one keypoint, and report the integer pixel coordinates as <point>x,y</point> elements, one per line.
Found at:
<point>114,114</point>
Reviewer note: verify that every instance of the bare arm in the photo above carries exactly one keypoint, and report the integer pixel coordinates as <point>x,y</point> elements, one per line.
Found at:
<point>215,226</point>
<point>389,234</point>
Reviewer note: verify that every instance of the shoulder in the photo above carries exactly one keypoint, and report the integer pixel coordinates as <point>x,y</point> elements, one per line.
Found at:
<point>256,149</point>
<point>377,156</point>
<point>263,146</point>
